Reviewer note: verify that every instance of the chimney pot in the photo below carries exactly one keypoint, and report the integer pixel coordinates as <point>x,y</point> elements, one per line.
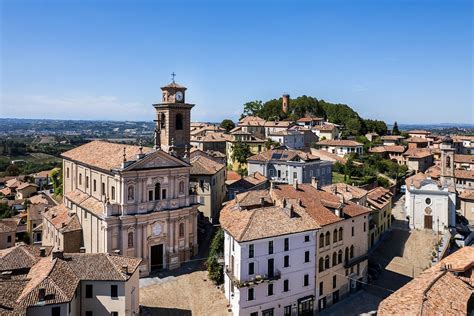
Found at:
<point>6,275</point>
<point>117,252</point>
<point>82,250</point>
<point>295,184</point>
<point>315,183</point>
<point>42,252</point>
<point>125,269</point>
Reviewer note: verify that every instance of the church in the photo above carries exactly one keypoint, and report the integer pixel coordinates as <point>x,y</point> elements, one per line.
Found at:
<point>133,200</point>
<point>429,203</point>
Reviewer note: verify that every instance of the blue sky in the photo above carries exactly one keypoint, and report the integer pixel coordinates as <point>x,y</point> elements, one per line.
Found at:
<point>405,61</point>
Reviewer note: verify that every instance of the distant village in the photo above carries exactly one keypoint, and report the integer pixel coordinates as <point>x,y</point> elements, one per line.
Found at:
<point>286,217</point>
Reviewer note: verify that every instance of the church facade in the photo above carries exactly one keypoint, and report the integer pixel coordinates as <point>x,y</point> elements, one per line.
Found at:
<point>135,200</point>
<point>431,204</point>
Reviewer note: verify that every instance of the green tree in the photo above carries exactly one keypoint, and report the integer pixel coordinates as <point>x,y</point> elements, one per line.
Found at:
<point>270,142</point>
<point>227,125</point>
<point>12,170</point>
<point>57,181</point>
<point>240,152</point>
<point>216,250</point>
<point>252,108</point>
<point>395,130</point>
<point>5,211</point>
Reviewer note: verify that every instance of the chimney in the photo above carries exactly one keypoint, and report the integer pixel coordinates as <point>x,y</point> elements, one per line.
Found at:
<point>58,254</point>
<point>125,269</point>
<point>315,183</point>
<point>262,201</point>
<point>42,252</point>
<point>6,275</point>
<point>295,184</point>
<point>117,252</point>
<point>41,294</point>
<point>82,250</point>
<point>285,102</point>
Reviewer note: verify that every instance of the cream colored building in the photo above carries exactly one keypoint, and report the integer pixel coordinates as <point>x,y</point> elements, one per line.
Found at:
<point>380,220</point>
<point>466,208</point>
<point>208,182</point>
<point>8,232</point>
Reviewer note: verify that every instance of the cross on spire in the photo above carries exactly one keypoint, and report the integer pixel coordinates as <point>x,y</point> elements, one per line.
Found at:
<point>172,76</point>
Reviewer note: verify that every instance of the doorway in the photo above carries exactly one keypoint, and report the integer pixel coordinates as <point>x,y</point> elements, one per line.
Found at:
<point>428,222</point>
<point>156,257</point>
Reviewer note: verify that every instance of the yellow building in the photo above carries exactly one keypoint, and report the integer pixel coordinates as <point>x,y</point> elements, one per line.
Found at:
<point>380,202</point>
<point>256,146</point>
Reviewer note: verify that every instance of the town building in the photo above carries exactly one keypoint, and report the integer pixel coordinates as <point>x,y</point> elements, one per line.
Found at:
<point>310,121</point>
<point>253,125</point>
<point>253,181</point>
<point>444,289</point>
<point>207,180</point>
<point>62,229</point>
<point>136,200</point>
<point>287,166</point>
<point>35,283</point>
<point>379,200</point>
<point>26,190</point>
<point>417,142</point>
<point>43,179</point>
<point>292,248</point>
<point>466,208</point>
<point>418,159</point>
<point>34,221</point>
<point>294,138</point>
<point>341,147</point>
<point>465,162</point>
<point>464,144</point>
<point>351,193</point>
<point>8,228</point>
<point>392,140</point>
<point>419,133</point>
<point>211,141</point>
<point>255,144</point>
<point>392,152</point>
<point>326,131</point>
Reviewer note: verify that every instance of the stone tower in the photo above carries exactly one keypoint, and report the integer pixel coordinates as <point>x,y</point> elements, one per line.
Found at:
<point>173,120</point>
<point>447,161</point>
<point>285,102</point>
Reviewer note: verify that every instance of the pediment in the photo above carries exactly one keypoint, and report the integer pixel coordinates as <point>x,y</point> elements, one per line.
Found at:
<point>157,160</point>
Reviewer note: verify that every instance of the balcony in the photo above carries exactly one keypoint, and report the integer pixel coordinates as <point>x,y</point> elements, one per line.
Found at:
<point>258,279</point>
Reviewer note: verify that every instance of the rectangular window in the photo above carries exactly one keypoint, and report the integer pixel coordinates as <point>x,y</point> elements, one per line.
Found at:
<point>286,286</point>
<point>365,228</point>
<point>163,194</point>
<point>251,268</point>
<point>9,239</point>
<point>67,172</point>
<point>88,290</point>
<point>150,195</point>
<point>287,244</point>
<point>114,314</point>
<point>270,289</point>
<point>287,310</point>
<point>56,311</point>
<point>321,288</point>
<point>334,282</point>
<point>254,314</point>
<point>89,313</point>
<point>94,185</point>
<point>306,238</point>
<point>251,251</point>
<point>270,247</point>
<point>80,178</point>
<point>87,182</point>
<point>286,261</point>
<point>114,291</point>
<point>306,256</point>
<point>250,294</point>
<point>113,193</point>
<point>352,231</point>
<point>103,188</point>
<point>306,280</point>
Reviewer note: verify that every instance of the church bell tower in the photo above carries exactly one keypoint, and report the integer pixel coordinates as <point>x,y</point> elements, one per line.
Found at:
<point>173,120</point>
<point>447,161</point>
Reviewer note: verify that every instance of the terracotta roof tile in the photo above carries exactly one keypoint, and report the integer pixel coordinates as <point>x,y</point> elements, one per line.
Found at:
<point>464,174</point>
<point>464,159</point>
<point>282,155</point>
<point>202,165</point>
<point>379,197</point>
<point>350,192</point>
<point>62,218</point>
<point>104,155</point>
<point>339,142</point>
<point>8,225</point>
<point>416,140</point>
<point>20,257</point>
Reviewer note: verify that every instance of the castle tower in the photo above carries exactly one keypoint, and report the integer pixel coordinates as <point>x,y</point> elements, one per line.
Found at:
<point>447,161</point>
<point>285,103</point>
<point>173,120</point>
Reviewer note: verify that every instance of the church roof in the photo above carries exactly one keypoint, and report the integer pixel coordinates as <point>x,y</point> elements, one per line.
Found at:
<point>104,155</point>
<point>173,85</point>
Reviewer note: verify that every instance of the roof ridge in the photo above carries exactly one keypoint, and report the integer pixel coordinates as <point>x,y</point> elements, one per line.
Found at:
<point>248,224</point>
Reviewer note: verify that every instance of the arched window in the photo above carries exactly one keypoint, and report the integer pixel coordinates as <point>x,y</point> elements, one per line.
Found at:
<point>321,240</point>
<point>131,193</point>
<point>352,252</point>
<point>339,257</point>
<point>181,187</point>
<point>326,262</point>
<point>321,264</point>
<point>157,191</point>
<point>130,239</point>
<point>179,121</point>
<point>162,120</point>
<point>448,162</point>
<point>328,238</point>
<point>334,259</point>
<point>346,255</point>
<point>181,230</point>
<point>334,236</point>
<point>340,234</point>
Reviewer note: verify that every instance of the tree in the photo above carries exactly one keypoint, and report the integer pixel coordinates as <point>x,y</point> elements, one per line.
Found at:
<point>269,143</point>
<point>216,250</point>
<point>240,152</point>
<point>252,108</point>
<point>395,130</point>
<point>227,125</point>
<point>57,180</point>
<point>12,170</point>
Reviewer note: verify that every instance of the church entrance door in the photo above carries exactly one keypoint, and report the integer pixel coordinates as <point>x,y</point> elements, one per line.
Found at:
<point>156,257</point>
<point>428,222</point>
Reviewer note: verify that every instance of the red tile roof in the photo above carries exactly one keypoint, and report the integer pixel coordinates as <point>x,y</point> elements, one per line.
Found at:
<point>339,143</point>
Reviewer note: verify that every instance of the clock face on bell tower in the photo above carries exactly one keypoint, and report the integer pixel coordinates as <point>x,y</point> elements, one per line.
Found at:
<point>173,120</point>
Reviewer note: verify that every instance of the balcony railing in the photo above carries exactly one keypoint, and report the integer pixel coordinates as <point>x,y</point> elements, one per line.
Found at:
<point>253,280</point>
